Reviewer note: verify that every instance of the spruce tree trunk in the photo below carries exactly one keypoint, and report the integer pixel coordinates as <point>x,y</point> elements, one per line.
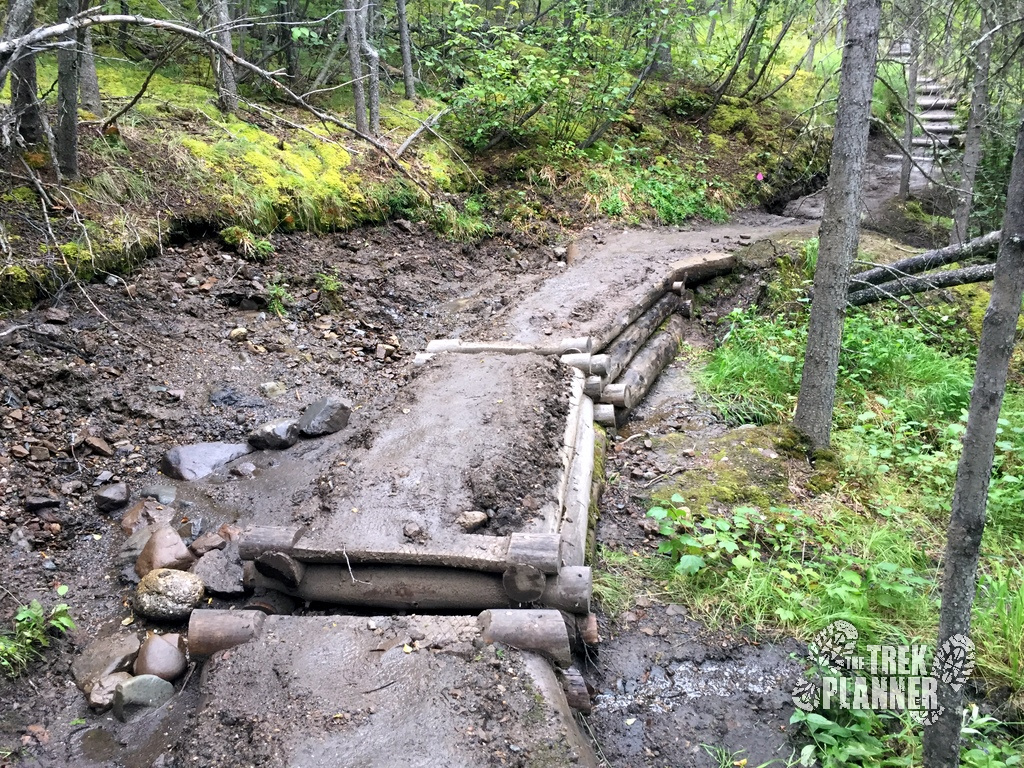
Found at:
<point>840,223</point>
<point>975,128</point>
<point>291,51</point>
<point>373,68</point>
<point>215,14</point>
<point>89,85</point>
<point>406,44</point>
<point>356,65</point>
<point>967,519</point>
<point>66,135</point>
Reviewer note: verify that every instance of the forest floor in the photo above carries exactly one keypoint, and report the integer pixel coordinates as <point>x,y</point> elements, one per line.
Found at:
<point>145,362</point>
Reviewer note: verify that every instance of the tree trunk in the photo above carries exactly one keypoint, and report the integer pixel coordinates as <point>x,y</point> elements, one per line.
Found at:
<point>910,116</point>
<point>373,65</point>
<point>325,72</point>
<point>406,45</point>
<point>215,13</point>
<point>975,127</point>
<point>940,257</point>
<point>967,519</point>
<point>67,95</point>
<point>840,224</point>
<point>89,85</point>
<point>291,51</point>
<point>356,65</point>
<point>20,19</point>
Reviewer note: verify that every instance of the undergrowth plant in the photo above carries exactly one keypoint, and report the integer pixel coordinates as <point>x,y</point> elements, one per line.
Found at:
<point>33,628</point>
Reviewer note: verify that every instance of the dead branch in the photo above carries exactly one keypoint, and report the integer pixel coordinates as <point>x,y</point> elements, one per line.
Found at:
<point>913,265</point>
<point>145,84</point>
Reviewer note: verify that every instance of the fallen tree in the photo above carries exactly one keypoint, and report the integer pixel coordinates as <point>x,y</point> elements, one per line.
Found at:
<point>907,286</point>
<point>924,261</point>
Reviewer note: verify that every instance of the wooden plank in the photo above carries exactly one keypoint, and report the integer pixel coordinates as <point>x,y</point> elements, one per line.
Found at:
<point>577,501</point>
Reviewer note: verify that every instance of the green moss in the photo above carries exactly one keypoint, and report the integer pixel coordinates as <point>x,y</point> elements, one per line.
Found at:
<point>718,143</point>
<point>740,467</point>
<point>24,195</point>
<point>731,119</point>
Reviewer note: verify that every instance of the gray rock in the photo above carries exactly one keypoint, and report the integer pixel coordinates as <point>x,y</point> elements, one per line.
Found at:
<point>275,435</point>
<point>192,462</point>
<point>272,389</point>
<point>324,417</point>
<point>39,503</point>
<point>168,594</point>
<point>244,469</point>
<point>161,655</point>
<point>134,545</point>
<point>103,657</point>
<point>165,549</point>
<point>112,497</point>
<point>101,697</point>
<point>141,692</point>
<point>165,494</point>
<point>221,571</point>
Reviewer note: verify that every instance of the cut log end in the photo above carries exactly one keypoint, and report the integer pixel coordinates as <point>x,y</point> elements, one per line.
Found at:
<point>215,630</point>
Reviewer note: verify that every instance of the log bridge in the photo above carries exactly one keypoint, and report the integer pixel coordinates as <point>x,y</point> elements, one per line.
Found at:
<point>531,588</point>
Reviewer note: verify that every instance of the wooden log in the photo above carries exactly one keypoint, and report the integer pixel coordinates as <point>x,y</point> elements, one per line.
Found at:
<point>271,602</point>
<point>257,539</point>
<point>573,529</point>
<point>397,587</point>
<point>586,362</point>
<point>678,287</point>
<point>604,414</point>
<point>541,631</point>
<point>541,550</point>
<point>626,345</point>
<point>552,522</point>
<point>694,274</point>
<point>213,630</point>
<point>607,334</point>
<point>596,490</point>
<point>524,583</point>
<point>560,347</point>
<point>907,286</point>
<point>576,691</point>
<point>422,358</point>
<point>571,590</point>
<point>645,368</point>
<point>925,261</point>
<point>281,566</point>
<point>593,386</point>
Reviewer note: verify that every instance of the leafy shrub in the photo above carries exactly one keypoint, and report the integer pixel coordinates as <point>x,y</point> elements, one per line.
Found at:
<point>246,244</point>
<point>33,628</point>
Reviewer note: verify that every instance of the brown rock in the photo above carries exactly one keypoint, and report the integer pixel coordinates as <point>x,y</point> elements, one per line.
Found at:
<point>165,549</point>
<point>161,655</point>
<point>143,513</point>
<point>99,445</point>
<point>19,452</point>
<point>208,541</point>
<point>101,697</point>
<point>103,657</point>
<point>39,453</point>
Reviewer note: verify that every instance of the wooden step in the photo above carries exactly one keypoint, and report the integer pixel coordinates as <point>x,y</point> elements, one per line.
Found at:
<point>937,115</point>
<point>940,129</point>
<point>932,103</point>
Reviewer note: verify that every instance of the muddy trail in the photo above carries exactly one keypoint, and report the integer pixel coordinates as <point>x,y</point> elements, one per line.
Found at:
<point>430,470</point>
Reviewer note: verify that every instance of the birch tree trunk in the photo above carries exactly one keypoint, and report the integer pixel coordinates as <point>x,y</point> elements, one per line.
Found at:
<point>406,45</point>
<point>967,519</point>
<point>89,85</point>
<point>66,135</point>
<point>215,13</point>
<point>373,67</point>
<point>840,223</point>
<point>20,19</point>
<point>975,128</point>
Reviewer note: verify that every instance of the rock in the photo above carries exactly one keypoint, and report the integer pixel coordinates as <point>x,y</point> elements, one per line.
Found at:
<point>405,225</point>
<point>161,655</point>
<point>230,532</point>
<point>103,477</point>
<point>192,462</point>
<point>111,497</point>
<point>134,545</point>
<point>39,453</point>
<point>238,334</point>
<point>103,657</point>
<point>19,452</point>
<point>275,435</point>
<point>472,519</point>
<point>244,469</point>
<point>272,389</point>
<point>324,417</point>
<point>560,251</point>
<point>415,532</point>
<point>98,445</point>
<point>145,513</point>
<point>101,697</point>
<point>142,692</point>
<point>165,549</point>
<point>221,572</point>
<point>39,503</point>
<point>165,494</point>
<point>168,594</point>
<point>57,316</point>
<point>208,542</point>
